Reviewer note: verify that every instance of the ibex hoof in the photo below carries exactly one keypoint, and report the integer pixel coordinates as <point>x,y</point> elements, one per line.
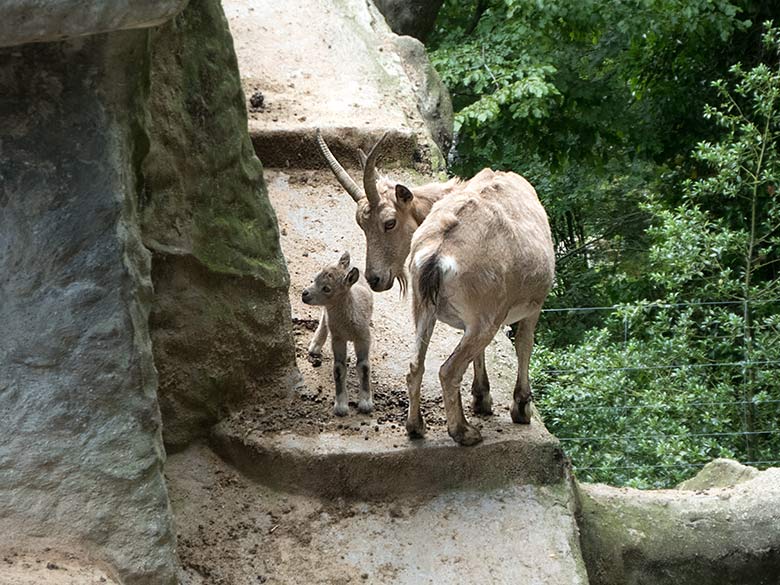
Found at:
<point>315,359</point>
<point>466,435</point>
<point>340,409</point>
<point>365,406</point>
<point>521,412</point>
<point>415,428</point>
<point>482,405</point>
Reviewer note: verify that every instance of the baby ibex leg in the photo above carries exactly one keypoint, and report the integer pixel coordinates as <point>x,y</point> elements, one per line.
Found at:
<point>341,404</point>
<point>365,400</point>
<point>320,335</point>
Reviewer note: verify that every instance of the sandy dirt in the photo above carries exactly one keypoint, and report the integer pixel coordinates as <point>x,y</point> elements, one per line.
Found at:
<point>47,567</point>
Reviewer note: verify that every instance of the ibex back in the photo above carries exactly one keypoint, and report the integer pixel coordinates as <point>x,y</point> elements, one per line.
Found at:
<point>481,257</point>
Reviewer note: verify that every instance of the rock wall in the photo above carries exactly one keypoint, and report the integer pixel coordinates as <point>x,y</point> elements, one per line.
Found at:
<point>722,528</point>
<point>81,453</point>
<point>220,319</point>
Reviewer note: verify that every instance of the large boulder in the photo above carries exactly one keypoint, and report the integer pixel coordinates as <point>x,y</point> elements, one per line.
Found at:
<point>410,17</point>
<point>220,320</point>
<point>81,452</point>
<point>725,535</point>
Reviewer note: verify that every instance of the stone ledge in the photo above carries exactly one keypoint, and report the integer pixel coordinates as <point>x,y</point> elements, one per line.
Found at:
<point>33,21</point>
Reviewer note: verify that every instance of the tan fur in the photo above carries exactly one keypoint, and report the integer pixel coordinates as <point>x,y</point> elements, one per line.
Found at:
<point>347,305</point>
<point>480,256</point>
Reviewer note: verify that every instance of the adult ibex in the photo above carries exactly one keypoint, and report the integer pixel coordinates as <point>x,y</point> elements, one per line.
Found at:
<point>481,257</point>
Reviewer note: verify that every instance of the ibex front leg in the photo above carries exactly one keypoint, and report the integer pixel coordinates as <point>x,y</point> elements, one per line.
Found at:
<point>481,401</point>
<point>424,324</point>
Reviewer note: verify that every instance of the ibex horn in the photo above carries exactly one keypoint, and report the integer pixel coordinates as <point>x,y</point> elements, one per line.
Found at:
<point>369,171</point>
<point>341,175</point>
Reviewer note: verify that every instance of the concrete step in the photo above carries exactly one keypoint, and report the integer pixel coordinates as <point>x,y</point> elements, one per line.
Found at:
<point>297,147</point>
<point>387,465</point>
<point>232,530</point>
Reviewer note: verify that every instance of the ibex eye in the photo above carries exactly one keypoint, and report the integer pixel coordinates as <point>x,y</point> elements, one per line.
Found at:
<point>389,224</point>
<point>326,289</point>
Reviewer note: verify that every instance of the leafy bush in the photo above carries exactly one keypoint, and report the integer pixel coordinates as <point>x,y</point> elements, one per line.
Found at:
<point>661,387</point>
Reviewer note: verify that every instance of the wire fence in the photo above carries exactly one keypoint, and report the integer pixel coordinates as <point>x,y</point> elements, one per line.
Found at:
<point>647,394</point>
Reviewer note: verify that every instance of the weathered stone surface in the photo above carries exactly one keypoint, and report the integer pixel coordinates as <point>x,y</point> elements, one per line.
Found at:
<point>410,17</point>
<point>80,445</point>
<point>35,21</point>
<point>433,99</point>
<point>717,536</point>
<point>331,65</point>
<point>221,318</point>
<point>514,535</point>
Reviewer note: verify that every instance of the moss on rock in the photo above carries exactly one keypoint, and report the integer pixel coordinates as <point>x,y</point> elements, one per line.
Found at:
<point>221,318</point>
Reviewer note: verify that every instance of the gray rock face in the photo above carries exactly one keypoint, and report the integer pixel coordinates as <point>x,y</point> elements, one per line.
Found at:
<point>80,446</point>
<point>410,17</point>
<point>716,536</point>
<point>34,21</point>
<point>433,99</point>
<point>220,322</point>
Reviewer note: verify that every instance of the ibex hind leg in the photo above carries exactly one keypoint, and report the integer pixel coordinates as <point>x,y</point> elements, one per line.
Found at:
<point>424,324</point>
<point>471,345</point>
<point>524,341</point>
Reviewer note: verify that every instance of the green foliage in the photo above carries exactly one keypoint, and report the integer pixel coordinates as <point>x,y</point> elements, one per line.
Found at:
<point>600,105</point>
<point>666,386</point>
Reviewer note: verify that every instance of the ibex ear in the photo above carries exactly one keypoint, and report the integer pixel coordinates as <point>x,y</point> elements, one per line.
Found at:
<point>344,260</point>
<point>352,276</point>
<point>403,194</point>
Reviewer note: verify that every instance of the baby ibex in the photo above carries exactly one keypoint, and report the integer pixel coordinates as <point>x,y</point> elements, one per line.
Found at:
<point>481,256</point>
<point>347,305</point>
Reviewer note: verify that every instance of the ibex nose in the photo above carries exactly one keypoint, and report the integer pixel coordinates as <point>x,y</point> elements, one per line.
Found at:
<point>305,296</point>
<point>373,281</point>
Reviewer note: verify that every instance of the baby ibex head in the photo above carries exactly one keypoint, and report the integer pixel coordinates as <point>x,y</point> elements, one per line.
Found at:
<point>331,283</point>
<point>384,213</point>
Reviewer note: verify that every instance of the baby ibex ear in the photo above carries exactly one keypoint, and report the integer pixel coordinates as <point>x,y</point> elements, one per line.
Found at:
<point>352,276</point>
<point>344,260</point>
